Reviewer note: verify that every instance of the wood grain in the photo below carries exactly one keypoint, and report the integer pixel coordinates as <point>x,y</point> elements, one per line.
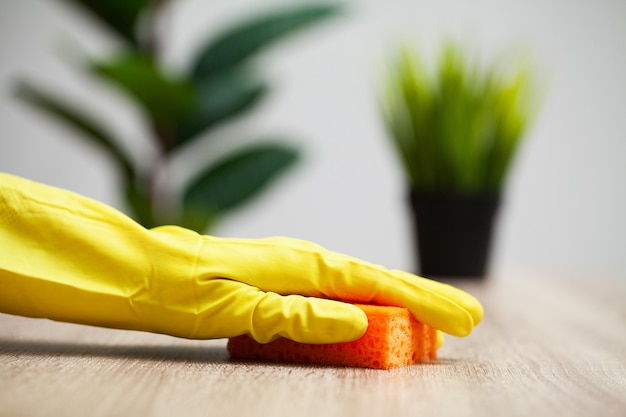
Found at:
<point>546,348</point>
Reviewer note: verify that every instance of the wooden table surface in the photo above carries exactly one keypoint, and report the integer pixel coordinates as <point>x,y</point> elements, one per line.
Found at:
<point>546,348</point>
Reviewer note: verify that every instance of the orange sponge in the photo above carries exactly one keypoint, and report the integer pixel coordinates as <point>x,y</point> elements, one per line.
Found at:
<point>393,338</point>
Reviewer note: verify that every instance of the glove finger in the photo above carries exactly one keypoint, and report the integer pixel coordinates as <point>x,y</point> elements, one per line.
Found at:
<point>462,298</point>
<point>440,339</point>
<point>233,308</point>
<point>353,280</point>
<point>427,306</point>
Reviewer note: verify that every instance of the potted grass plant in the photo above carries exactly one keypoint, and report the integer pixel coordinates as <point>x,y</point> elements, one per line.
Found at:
<point>456,126</point>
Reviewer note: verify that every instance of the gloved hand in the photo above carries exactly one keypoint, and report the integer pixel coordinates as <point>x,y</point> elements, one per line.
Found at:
<point>69,258</point>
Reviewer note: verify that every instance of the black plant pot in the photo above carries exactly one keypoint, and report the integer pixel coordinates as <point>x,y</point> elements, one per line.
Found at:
<point>453,233</point>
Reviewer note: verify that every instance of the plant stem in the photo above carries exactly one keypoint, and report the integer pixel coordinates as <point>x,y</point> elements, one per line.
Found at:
<point>164,134</point>
<point>151,44</point>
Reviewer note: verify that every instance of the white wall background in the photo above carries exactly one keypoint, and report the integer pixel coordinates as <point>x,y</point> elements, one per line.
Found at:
<point>566,199</point>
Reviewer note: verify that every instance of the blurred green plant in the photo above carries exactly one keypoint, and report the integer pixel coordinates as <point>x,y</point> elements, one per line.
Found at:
<point>456,128</point>
<point>219,87</point>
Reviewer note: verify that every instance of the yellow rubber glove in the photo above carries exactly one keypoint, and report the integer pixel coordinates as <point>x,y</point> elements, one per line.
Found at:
<point>69,258</point>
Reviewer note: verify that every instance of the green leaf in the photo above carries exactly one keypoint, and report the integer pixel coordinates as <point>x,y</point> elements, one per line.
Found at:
<point>240,43</point>
<point>218,99</point>
<point>235,179</point>
<point>165,98</point>
<point>118,15</point>
<point>76,119</point>
<point>199,218</point>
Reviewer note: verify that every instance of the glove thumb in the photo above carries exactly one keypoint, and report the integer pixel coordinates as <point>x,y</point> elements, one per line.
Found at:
<point>265,316</point>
